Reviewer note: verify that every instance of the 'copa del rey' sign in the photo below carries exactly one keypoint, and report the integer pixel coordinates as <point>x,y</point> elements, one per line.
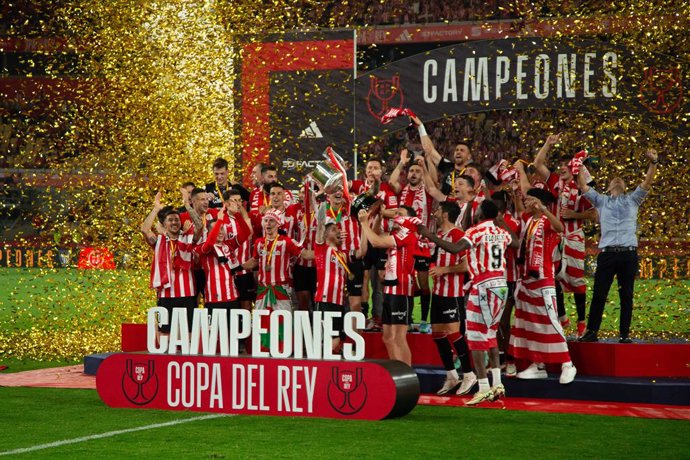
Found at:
<point>230,383</point>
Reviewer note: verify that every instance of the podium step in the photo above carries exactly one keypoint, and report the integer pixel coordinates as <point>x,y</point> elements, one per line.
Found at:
<point>584,388</point>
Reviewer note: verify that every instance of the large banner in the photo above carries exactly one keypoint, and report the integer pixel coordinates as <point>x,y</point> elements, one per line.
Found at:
<point>578,75</point>
<point>365,390</point>
<point>297,99</point>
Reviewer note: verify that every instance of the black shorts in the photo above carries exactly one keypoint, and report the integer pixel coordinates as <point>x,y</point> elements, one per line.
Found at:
<point>446,310</point>
<point>354,285</point>
<point>375,257</point>
<point>188,303</point>
<point>511,290</point>
<point>304,278</point>
<point>396,309</point>
<point>199,280</point>
<point>231,305</point>
<point>246,286</point>
<point>421,264</point>
<point>328,306</point>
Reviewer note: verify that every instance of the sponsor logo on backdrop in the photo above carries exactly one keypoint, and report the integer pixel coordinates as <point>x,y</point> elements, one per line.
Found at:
<point>661,90</point>
<point>140,382</point>
<point>384,95</point>
<point>347,391</point>
<point>311,132</point>
<point>292,164</point>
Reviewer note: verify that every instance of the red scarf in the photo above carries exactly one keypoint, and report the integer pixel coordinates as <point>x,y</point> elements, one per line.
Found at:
<point>533,243</point>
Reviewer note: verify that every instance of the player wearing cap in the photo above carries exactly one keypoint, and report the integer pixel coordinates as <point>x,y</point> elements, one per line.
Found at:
<point>271,254</point>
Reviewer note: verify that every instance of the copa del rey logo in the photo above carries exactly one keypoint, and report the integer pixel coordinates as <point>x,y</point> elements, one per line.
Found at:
<point>384,95</point>
<point>661,90</point>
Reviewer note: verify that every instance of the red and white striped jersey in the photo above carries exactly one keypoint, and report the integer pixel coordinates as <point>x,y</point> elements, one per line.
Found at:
<point>303,232</point>
<point>274,259</point>
<point>349,228</point>
<point>450,284</point>
<point>400,263</point>
<point>486,256</point>
<point>179,271</point>
<point>386,194</point>
<point>568,196</point>
<point>258,198</point>
<point>330,274</point>
<point>512,269</point>
<point>218,259</point>
<point>244,249</point>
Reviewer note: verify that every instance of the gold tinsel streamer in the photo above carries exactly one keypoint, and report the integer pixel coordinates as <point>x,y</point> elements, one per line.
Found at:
<point>156,107</point>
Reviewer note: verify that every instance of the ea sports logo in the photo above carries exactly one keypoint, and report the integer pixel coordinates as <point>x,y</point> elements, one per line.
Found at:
<point>347,391</point>
<point>140,382</point>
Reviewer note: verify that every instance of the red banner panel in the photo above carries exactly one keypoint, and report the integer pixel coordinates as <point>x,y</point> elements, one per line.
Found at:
<point>367,390</point>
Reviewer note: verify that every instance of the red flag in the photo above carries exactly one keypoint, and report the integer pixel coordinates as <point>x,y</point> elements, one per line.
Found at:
<point>395,113</point>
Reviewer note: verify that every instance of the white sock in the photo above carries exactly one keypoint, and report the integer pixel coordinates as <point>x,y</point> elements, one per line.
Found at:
<point>568,364</point>
<point>452,374</point>
<point>495,377</point>
<point>483,385</point>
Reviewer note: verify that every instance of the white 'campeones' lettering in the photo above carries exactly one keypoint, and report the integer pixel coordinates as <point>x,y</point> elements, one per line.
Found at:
<point>527,77</point>
<point>303,337</point>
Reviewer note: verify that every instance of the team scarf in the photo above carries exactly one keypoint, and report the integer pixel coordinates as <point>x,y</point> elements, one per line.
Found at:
<point>568,197</point>
<point>416,198</point>
<point>408,223</point>
<point>164,262</point>
<point>533,243</point>
<point>395,113</point>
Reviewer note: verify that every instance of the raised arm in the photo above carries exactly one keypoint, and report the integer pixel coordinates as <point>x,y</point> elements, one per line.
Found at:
<point>582,182</point>
<point>394,180</point>
<point>451,247</point>
<point>540,159</point>
<point>651,170</point>
<point>430,151</point>
<point>145,228</point>
<point>522,177</point>
<point>321,223</point>
<point>533,203</point>
<point>376,240</point>
<point>430,184</point>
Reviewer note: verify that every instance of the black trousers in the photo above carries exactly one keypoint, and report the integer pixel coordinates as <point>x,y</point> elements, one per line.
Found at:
<point>622,265</point>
